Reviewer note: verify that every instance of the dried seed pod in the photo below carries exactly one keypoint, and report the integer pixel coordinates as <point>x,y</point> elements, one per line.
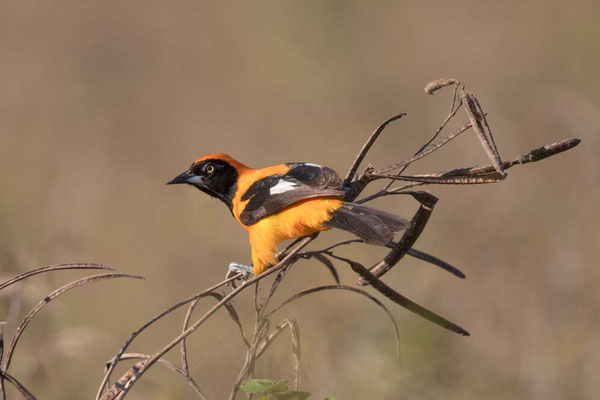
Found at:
<point>438,84</point>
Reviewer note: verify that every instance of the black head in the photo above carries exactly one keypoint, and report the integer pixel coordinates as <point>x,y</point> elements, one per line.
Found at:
<point>214,176</point>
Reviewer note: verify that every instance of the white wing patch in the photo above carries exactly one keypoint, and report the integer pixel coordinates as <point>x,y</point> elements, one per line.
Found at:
<point>312,165</point>
<point>282,186</point>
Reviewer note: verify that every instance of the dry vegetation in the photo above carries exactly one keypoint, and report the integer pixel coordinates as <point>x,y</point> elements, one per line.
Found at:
<point>102,102</point>
<point>265,332</point>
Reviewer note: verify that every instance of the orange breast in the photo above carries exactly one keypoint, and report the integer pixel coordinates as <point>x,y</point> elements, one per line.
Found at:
<point>300,219</point>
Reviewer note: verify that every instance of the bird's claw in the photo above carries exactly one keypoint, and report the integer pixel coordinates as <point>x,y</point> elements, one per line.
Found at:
<point>235,269</point>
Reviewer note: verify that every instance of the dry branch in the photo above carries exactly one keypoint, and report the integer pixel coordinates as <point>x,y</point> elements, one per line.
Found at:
<point>346,288</point>
<point>399,299</point>
<point>51,268</point>
<point>2,392</point>
<point>184,373</point>
<point>149,323</point>
<point>18,385</point>
<point>264,334</point>
<point>295,340</point>
<point>48,299</point>
<point>366,147</point>
<point>412,233</point>
<point>151,361</point>
<point>6,357</point>
<point>421,255</point>
<point>422,153</point>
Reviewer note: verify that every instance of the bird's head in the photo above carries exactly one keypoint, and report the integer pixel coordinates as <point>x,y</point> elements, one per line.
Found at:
<point>214,174</point>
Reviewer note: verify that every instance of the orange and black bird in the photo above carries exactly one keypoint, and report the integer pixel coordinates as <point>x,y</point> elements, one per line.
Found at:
<point>285,201</point>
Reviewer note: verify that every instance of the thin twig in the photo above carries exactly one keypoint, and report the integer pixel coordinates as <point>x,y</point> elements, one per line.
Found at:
<point>260,331</point>
<point>328,264</point>
<point>295,340</point>
<point>397,298</point>
<point>451,114</point>
<point>232,313</point>
<point>410,236</point>
<point>345,288</point>
<point>135,334</point>
<point>138,374</point>
<point>469,175</point>
<point>116,390</point>
<point>20,387</point>
<point>420,154</point>
<point>421,255</point>
<point>50,268</point>
<point>171,366</point>
<point>186,320</point>
<point>365,149</point>
<point>47,300</point>
<point>279,277</point>
<point>262,336</point>
<point>262,323</point>
<point>2,323</point>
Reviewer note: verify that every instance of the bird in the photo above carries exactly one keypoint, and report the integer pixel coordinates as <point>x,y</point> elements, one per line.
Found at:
<point>285,201</point>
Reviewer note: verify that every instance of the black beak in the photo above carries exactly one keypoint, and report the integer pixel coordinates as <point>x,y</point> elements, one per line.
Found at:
<point>181,178</point>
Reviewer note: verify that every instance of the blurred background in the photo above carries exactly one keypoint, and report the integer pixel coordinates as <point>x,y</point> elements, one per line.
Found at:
<point>102,102</point>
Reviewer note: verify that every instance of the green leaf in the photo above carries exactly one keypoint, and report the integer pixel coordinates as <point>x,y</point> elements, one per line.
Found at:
<point>329,398</point>
<point>291,395</point>
<point>269,389</point>
<point>263,386</point>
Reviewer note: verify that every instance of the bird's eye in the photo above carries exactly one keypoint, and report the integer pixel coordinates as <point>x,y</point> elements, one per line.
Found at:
<point>210,169</point>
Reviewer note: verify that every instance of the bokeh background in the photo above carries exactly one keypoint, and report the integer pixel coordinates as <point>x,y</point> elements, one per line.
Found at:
<point>102,102</point>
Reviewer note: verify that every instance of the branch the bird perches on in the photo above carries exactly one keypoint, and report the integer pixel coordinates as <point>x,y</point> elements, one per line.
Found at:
<point>263,334</point>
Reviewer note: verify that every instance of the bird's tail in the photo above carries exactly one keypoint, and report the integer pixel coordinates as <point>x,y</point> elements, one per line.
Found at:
<point>372,226</point>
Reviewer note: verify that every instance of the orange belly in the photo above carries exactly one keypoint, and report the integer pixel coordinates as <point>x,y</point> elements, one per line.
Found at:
<point>300,219</point>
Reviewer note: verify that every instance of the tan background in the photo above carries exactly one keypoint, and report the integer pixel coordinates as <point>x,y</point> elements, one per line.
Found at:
<point>101,102</point>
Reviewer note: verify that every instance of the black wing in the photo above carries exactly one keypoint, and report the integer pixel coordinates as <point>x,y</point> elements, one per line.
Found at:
<point>274,193</point>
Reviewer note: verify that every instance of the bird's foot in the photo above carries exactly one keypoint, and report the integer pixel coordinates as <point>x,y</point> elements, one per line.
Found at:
<point>237,268</point>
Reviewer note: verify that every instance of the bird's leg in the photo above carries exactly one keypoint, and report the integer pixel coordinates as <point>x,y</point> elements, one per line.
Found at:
<point>237,268</point>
